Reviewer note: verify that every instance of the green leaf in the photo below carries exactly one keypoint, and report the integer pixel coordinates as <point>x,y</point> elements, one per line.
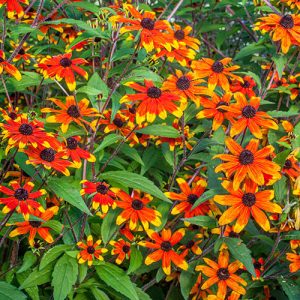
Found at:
<point>116,278</point>
<point>98,294</point>
<point>136,259</point>
<point>10,292</point>
<point>203,221</point>
<point>290,287</point>
<point>186,281</point>
<point>139,75</point>
<point>280,189</point>
<point>249,50</point>
<point>37,277</point>
<point>293,111</point>
<point>209,194</point>
<point>69,193</point>
<point>64,276</point>
<point>28,260</point>
<point>240,252</point>
<point>55,225</point>
<point>82,271</point>
<point>109,226</point>
<point>280,62</point>
<point>291,235</point>
<point>131,153</point>
<point>107,141</point>
<point>33,292</point>
<point>86,6</point>
<point>281,157</point>
<point>135,181</point>
<point>160,130</point>
<point>52,254</point>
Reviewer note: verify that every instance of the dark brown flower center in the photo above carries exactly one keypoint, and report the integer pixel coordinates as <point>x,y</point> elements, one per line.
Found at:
<point>246,157</point>
<point>288,164</point>
<point>12,115</point>
<point>148,23</point>
<point>246,84</point>
<point>249,199</point>
<point>47,154</point>
<point>72,143</point>
<point>179,35</point>
<point>137,204</point>
<point>90,249</point>
<point>221,103</point>
<point>26,129</point>
<point>21,51</point>
<point>279,82</point>
<point>35,224</point>
<point>73,111</point>
<point>217,67</point>
<point>126,248</point>
<point>97,39</point>
<point>118,122</point>
<point>65,62</point>
<point>190,244</point>
<point>1,60</point>
<point>249,111</point>
<point>21,194</point>
<point>287,22</point>
<point>192,198</point>
<point>233,234</point>
<point>257,265</point>
<point>154,92</point>
<point>166,246</point>
<point>223,274</point>
<point>102,189</point>
<point>183,83</point>
<point>132,109</point>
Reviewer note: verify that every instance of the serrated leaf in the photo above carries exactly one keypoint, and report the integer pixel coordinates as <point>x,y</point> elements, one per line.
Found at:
<point>160,130</point>
<point>37,277</point>
<point>203,221</point>
<point>209,194</point>
<point>52,254</point>
<point>136,259</point>
<point>107,141</point>
<point>10,292</point>
<point>98,294</point>
<point>28,260</point>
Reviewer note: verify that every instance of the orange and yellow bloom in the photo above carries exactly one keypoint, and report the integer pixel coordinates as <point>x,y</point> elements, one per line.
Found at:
<point>9,68</point>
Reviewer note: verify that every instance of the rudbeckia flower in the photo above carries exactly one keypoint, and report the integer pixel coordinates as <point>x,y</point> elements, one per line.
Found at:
<point>295,261</point>
<point>135,210</point>
<point>181,37</point>
<point>9,68</point>
<point>121,248</point>
<point>23,54</point>
<point>21,198</point>
<point>71,111</point>
<point>163,245</point>
<point>217,72</point>
<point>248,116</point>
<point>247,202</point>
<point>101,195</point>
<point>285,29</point>
<point>245,87</point>
<point>153,102</point>
<point>292,3</point>
<point>63,67</point>
<point>248,163</point>
<point>14,8</point>
<point>188,197</point>
<point>192,245</point>
<point>291,167</point>
<point>223,274</point>
<point>36,227</point>
<point>90,251</point>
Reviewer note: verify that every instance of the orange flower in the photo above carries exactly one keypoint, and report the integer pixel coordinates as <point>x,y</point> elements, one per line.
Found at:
<point>154,102</point>
<point>181,37</point>
<point>214,108</point>
<point>248,116</point>
<point>291,167</point>
<point>90,251</point>
<point>216,71</point>
<point>292,3</point>
<point>121,249</point>
<point>34,227</point>
<point>285,29</point>
<point>23,54</point>
<point>295,259</point>
<point>192,245</point>
<point>13,7</point>
<point>21,198</point>
<point>62,66</point>
<point>186,86</point>
<point>249,162</point>
<point>188,197</point>
<point>135,210</point>
<point>289,129</point>
<point>245,87</point>
<point>9,68</point>
<point>102,195</point>
<point>223,274</point>
<point>246,202</point>
<point>49,158</point>
<point>163,245</point>
<point>69,112</point>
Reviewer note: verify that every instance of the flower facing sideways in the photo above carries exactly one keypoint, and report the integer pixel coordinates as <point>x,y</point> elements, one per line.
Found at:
<point>122,249</point>
<point>9,68</point>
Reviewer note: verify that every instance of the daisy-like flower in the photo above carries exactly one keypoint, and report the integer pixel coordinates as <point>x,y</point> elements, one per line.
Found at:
<point>101,195</point>
<point>188,197</point>
<point>258,267</point>
<point>214,108</point>
<point>90,251</point>
<point>21,198</point>
<point>217,72</point>
<point>192,245</point>
<point>153,102</point>
<point>36,227</point>
<point>248,116</point>
<point>151,30</point>
<point>295,261</point>
<point>21,133</point>
<point>186,86</point>
<point>292,3</point>
<point>289,129</point>
<point>246,202</point>
<point>49,158</point>
<point>23,54</point>
<point>245,87</point>
<point>181,37</point>
<point>71,111</point>
<point>121,249</point>
<point>73,151</point>
<point>163,245</point>
<point>14,8</point>
<point>63,67</point>
<point>291,167</point>
<point>285,29</point>
<point>9,68</point>
<point>223,274</point>
<point>248,163</point>
<point>135,210</point>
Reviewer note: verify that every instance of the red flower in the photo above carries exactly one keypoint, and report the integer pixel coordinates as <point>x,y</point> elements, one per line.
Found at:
<point>121,249</point>
<point>13,7</point>
<point>9,68</point>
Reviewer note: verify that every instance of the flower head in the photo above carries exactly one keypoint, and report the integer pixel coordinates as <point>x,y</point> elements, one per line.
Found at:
<point>122,249</point>
<point>9,68</point>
